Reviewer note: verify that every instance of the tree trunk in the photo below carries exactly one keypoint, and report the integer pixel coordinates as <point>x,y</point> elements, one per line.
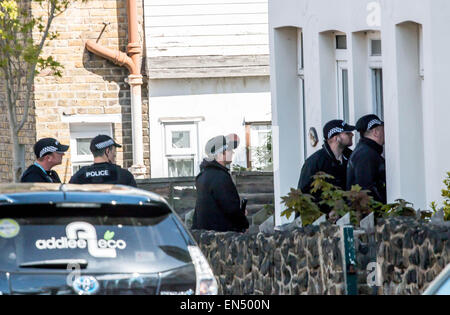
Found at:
<point>17,157</point>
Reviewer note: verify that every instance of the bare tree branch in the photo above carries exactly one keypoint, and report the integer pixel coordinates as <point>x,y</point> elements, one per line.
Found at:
<point>10,92</point>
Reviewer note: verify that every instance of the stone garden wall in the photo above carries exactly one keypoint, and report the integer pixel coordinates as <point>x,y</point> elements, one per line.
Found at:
<point>303,261</point>
<point>409,254</point>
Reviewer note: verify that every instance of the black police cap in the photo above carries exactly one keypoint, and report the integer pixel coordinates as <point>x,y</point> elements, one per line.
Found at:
<point>335,127</point>
<point>47,146</point>
<point>368,122</point>
<point>101,142</point>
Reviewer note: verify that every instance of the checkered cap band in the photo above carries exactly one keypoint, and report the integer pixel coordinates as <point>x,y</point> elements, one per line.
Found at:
<point>373,123</point>
<point>47,150</point>
<point>333,131</point>
<point>219,150</point>
<point>104,144</point>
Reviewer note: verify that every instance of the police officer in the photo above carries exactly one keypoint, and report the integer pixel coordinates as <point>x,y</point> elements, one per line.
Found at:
<point>218,206</point>
<point>49,153</point>
<point>104,170</point>
<point>332,158</point>
<point>367,167</point>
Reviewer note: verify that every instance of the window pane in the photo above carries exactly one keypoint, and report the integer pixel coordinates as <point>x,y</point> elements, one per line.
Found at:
<point>341,42</point>
<point>181,140</point>
<point>377,85</point>
<point>181,168</point>
<point>345,94</point>
<point>83,146</point>
<point>376,47</point>
<point>77,166</point>
<point>262,138</point>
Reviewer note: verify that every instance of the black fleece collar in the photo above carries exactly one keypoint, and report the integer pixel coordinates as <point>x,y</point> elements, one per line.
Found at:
<point>345,154</point>
<point>214,164</point>
<point>373,145</point>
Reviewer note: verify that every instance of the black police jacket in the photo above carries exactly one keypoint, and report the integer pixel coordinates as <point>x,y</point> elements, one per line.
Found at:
<point>35,174</point>
<point>324,160</point>
<point>218,205</point>
<point>367,168</point>
<point>103,173</point>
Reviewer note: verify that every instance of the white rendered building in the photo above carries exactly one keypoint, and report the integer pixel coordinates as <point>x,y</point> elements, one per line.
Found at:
<point>208,69</point>
<point>344,59</point>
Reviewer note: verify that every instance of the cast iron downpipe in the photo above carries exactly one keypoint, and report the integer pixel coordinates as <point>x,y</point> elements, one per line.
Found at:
<point>132,62</point>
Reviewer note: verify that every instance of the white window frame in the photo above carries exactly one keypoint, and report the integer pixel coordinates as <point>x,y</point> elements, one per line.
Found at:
<point>169,128</point>
<point>341,66</point>
<point>421,66</point>
<point>301,76</point>
<point>255,130</point>
<point>173,153</point>
<point>179,157</point>
<point>300,55</point>
<point>341,54</point>
<point>375,63</point>
<point>374,93</point>
<point>85,130</point>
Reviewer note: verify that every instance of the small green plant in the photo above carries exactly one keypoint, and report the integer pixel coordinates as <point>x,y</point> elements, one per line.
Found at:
<point>446,195</point>
<point>356,201</point>
<point>400,208</point>
<point>330,198</point>
<point>270,209</point>
<point>296,201</point>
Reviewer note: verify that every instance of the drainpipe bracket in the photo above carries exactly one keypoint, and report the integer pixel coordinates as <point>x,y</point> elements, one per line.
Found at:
<point>134,48</point>
<point>134,79</point>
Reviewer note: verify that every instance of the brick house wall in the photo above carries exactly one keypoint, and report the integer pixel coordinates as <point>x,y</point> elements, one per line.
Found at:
<point>90,85</point>
<point>27,137</point>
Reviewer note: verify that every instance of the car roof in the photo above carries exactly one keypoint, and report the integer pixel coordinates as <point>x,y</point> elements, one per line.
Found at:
<point>32,193</point>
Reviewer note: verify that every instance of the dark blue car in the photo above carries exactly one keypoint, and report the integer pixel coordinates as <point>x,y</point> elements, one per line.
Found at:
<point>95,239</point>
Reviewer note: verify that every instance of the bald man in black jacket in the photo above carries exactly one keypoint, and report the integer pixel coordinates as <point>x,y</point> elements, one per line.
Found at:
<point>366,166</point>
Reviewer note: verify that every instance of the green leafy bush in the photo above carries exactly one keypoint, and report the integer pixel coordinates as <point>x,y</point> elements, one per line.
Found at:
<point>296,201</point>
<point>327,197</point>
<point>446,195</point>
<point>400,208</point>
<point>270,209</point>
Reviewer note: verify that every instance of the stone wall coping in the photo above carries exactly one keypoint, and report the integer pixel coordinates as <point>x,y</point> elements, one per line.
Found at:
<point>192,178</point>
<point>165,180</point>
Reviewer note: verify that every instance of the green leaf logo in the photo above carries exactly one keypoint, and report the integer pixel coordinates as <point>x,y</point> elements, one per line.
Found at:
<point>108,235</point>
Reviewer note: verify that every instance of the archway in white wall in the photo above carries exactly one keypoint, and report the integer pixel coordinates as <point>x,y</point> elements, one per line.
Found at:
<point>334,75</point>
<point>287,112</point>
<point>408,39</point>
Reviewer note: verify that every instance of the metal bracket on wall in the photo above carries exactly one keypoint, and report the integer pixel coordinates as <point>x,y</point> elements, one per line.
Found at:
<point>349,257</point>
<point>105,24</point>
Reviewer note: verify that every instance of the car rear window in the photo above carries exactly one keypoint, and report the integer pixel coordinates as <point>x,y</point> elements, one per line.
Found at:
<point>121,238</point>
